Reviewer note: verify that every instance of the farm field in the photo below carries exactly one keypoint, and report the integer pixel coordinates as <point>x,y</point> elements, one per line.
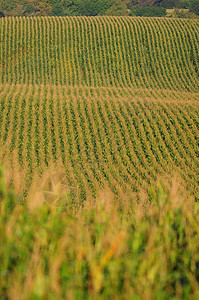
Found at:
<point>111,102</point>
<point>99,127</point>
<point>100,51</point>
<point>120,139</point>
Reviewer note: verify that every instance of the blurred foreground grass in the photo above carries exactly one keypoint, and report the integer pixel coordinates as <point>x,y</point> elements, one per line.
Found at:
<point>146,250</point>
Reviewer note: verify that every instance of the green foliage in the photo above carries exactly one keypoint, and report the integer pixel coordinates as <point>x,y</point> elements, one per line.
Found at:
<point>93,7</point>
<point>88,7</point>
<point>182,13</point>
<point>145,2</point>
<point>142,3</point>
<point>168,3</point>
<point>80,7</point>
<point>119,8</point>
<point>184,4</point>
<point>58,9</point>
<point>148,11</point>
<point>41,8</point>
<point>65,7</point>
<point>28,10</point>
<point>10,8</point>
<point>26,7</point>
<point>6,5</point>
<point>194,6</point>
<point>101,249</point>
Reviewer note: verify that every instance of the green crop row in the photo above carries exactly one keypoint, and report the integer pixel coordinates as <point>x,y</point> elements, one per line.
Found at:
<point>100,137</point>
<point>102,51</point>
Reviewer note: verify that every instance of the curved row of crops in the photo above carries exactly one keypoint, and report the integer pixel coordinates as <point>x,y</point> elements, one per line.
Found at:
<point>102,51</point>
<point>100,137</point>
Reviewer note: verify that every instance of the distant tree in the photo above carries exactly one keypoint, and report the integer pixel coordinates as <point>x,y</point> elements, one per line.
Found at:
<point>145,2</point>
<point>11,8</point>
<point>7,5</point>
<point>184,4</point>
<point>148,11</point>
<point>28,10</point>
<point>93,7</point>
<point>167,3</point>
<point>1,14</point>
<point>25,7</point>
<point>39,7</point>
<point>194,6</point>
<point>65,7</point>
<point>58,9</point>
<point>119,8</point>
<point>132,3</point>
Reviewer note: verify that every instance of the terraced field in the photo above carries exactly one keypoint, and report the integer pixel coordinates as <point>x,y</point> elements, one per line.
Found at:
<point>109,102</point>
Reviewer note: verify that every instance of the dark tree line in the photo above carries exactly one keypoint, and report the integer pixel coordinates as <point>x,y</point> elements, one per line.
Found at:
<point>93,7</point>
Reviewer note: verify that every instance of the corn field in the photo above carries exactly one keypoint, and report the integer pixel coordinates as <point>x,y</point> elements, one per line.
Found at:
<point>101,51</point>
<point>113,137</point>
<point>109,102</point>
<point>99,127</point>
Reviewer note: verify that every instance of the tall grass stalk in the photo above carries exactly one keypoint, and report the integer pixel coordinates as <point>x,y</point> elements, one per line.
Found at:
<point>145,250</point>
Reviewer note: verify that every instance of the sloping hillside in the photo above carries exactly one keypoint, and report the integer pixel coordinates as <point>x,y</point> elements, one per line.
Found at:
<point>100,51</point>
<point>102,102</point>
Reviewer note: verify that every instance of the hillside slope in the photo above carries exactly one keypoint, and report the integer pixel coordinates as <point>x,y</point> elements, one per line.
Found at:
<point>105,103</point>
<point>100,51</point>
<point>115,138</point>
